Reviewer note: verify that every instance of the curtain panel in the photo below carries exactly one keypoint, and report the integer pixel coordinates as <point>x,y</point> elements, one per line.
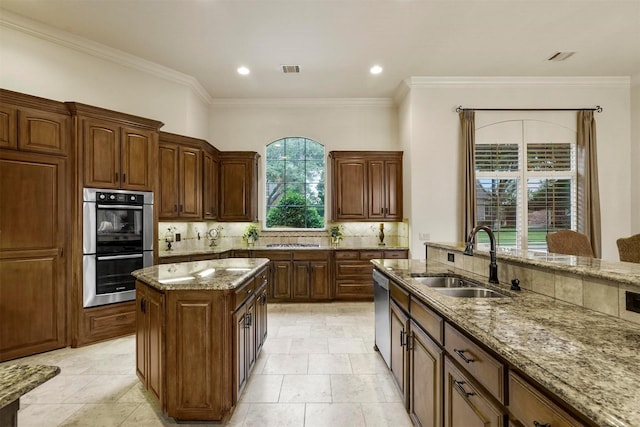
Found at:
<point>468,128</point>
<point>588,191</point>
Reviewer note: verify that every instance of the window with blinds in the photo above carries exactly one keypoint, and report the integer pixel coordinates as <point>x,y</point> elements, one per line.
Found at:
<point>525,189</point>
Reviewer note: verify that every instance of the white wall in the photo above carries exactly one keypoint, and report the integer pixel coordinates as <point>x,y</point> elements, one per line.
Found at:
<point>635,155</point>
<point>435,162</point>
<point>40,61</point>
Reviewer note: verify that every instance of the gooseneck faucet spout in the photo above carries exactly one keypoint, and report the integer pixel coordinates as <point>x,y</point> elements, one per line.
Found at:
<point>493,265</point>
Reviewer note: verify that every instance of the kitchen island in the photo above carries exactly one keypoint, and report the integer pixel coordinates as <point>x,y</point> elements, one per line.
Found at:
<point>17,380</point>
<point>199,328</point>
<point>527,351</point>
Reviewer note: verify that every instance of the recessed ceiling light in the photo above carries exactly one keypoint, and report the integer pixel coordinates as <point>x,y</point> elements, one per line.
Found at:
<point>376,69</point>
<point>243,71</point>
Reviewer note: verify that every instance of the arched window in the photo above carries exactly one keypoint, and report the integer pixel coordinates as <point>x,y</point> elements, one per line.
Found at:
<point>295,184</point>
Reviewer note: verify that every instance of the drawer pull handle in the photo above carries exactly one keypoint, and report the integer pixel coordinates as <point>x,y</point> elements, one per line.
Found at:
<point>402,338</point>
<point>249,291</point>
<point>537,424</point>
<point>458,385</point>
<point>462,356</point>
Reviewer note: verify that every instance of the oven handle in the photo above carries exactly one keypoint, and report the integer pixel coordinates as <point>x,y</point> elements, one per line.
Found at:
<point>107,258</point>
<point>136,207</point>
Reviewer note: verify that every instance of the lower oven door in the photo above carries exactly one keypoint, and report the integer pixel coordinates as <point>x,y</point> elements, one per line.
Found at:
<point>108,279</point>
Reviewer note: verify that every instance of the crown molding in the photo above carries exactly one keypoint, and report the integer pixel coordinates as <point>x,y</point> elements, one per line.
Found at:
<point>635,80</point>
<point>613,81</point>
<point>45,32</point>
<point>304,102</point>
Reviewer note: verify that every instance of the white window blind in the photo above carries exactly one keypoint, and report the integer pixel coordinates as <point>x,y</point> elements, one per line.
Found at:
<point>525,187</point>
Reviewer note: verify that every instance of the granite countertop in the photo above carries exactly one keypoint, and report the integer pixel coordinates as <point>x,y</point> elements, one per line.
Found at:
<point>17,380</point>
<point>283,247</point>
<point>219,274</point>
<point>588,359</point>
<point>625,272</point>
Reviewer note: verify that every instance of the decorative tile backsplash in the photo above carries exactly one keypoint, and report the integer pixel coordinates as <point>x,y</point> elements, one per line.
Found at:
<point>193,235</point>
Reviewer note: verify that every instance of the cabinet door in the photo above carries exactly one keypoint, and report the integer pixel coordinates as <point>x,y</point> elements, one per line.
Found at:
<point>251,333</point>
<point>377,193</point>
<point>281,283</point>
<point>261,317</point>
<point>8,133</point>
<point>349,189</point>
<point>425,379</point>
<point>319,280</point>
<point>238,189</point>
<point>301,280</point>
<point>154,310</point>
<point>464,404</point>
<point>240,343</point>
<point>101,145</point>
<point>43,131</point>
<point>189,187</point>
<point>168,196</point>
<point>141,333</point>
<point>137,150</point>
<point>33,266</point>
<point>393,189</point>
<point>399,359</point>
<point>210,186</point>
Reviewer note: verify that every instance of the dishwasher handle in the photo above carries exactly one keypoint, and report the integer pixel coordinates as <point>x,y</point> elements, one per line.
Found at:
<point>380,279</point>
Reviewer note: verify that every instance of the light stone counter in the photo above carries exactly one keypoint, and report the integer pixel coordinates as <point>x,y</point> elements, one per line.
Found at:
<point>588,359</point>
<point>223,274</point>
<point>17,380</point>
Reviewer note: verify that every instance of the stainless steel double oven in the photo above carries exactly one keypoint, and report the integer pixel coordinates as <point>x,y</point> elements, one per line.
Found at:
<point>117,239</point>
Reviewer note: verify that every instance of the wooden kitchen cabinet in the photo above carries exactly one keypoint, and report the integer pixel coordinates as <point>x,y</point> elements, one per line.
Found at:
<point>116,150</point>
<point>180,195</point>
<point>32,124</point>
<point>425,378</point>
<point>150,340</point>
<point>238,197</point>
<point>34,253</point>
<point>399,354</point>
<point>245,342</point>
<point>311,275</point>
<point>354,271</point>
<point>466,404</point>
<point>210,172</point>
<point>366,185</point>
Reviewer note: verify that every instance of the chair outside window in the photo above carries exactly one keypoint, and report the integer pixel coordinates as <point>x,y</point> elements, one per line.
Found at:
<point>629,248</point>
<point>569,242</point>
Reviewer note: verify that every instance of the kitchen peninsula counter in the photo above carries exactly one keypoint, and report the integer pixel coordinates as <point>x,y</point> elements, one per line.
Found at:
<point>199,328</point>
<point>586,359</point>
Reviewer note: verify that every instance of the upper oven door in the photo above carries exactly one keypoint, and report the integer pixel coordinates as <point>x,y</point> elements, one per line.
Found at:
<point>119,229</point>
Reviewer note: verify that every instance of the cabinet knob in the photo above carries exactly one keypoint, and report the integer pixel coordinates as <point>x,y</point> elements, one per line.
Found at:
<point>537,424</point>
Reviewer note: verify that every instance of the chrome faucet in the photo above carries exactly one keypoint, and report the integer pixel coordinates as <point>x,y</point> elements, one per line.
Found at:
<point>493,265</point>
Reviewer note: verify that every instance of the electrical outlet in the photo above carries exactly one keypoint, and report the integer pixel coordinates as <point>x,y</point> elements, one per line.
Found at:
<point>450,257</point>
<point>633,301</point>
<point>424,236</point>
<point>178,237</point>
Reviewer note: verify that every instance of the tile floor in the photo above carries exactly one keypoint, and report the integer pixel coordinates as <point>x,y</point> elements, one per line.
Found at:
<point>317,368</point>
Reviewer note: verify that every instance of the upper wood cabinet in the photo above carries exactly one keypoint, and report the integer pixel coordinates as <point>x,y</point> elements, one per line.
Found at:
<point>29,123</point>
<point>238,198</point>
<point>180,179</point>
<point>210,171</point>
<point>366,185</point>
<point>115,150</point>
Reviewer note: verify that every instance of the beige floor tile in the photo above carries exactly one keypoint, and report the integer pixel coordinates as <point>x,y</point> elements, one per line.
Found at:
<point>276,345</point>
<point>306,388</point>
<point>286,364</point>
<point>296,331</point>
<point>319,331</point>
<point>347,345</point>
<point>357,388</point>
<point>46,414</point>
<point>145,416</point>
<point>101,415</point>
<point>57,389</point>
<point>104,388</point>
<point>329,364</point>
<point>334,415</point>
<point>386,415</point>
<point>368,364</point>
<point>239,415</point>
<point>275,415</point>
<point>309,345</point>
<point>262,389</point>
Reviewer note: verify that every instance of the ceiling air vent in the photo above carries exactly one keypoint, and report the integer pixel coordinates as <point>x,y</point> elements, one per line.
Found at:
<point>560,56</point>
<point>290,69</point>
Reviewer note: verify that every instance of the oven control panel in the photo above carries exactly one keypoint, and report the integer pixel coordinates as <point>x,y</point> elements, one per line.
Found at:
<point>120,198</point>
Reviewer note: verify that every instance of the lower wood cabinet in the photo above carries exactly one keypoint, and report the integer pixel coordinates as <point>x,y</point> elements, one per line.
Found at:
<point>353,271</point>
<point>311,275</point>
<point>150,340</point>
<point>465,404</point>
<point>244,321</point>
<point>425,378</point>
<point>399,354</point>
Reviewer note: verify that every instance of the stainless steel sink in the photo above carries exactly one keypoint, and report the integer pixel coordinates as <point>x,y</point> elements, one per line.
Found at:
<point>470,293</point>
<point>445,282</point>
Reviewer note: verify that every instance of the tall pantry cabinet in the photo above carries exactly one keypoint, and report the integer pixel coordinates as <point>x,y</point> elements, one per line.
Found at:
<point>34,225</point>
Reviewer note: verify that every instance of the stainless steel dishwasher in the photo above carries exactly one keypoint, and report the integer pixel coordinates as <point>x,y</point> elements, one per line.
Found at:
<point>383,322</point>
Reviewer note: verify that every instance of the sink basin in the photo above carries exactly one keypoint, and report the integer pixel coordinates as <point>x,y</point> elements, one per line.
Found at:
<point>445,282</point>
<point>470,293</point>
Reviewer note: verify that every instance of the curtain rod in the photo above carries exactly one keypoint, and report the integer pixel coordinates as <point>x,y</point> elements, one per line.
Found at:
<point>597,109</point>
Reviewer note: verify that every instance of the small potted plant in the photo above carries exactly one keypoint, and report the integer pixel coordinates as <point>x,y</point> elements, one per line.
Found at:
<point>335,231</point>
<point>251,235</point>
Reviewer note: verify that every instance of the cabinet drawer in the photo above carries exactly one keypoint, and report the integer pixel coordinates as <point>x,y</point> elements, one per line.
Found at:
<point>110,321</point>
<point>480,364</point>
<point>399,295</point>
<point>345,269</point>
<point>530,407</point>
<point>356,290</point>
<point>274,255</point>
<point>399,254</point>
<point>306,255</point>
<point>244,292</point>
<point>346,254</point>
<point>173,259</point>
<point>428,320</point>
<point>369,255</point>
<point>204,257</point>
<point>261,278</point>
